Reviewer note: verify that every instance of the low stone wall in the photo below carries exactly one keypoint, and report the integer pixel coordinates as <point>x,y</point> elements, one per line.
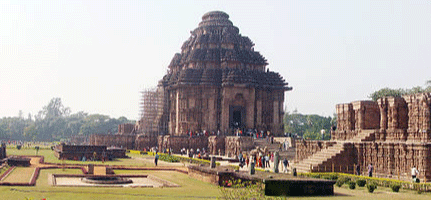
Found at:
<point>208,176</point>
<point>306,148</point>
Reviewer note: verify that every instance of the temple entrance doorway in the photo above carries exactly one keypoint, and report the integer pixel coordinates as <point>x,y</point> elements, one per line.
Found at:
<point>236,117</point>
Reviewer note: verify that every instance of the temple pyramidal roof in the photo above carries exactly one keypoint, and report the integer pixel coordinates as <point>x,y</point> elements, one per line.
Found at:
<point>216,54</point>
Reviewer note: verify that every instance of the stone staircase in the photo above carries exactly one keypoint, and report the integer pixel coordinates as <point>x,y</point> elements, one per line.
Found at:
<point>289,153</point>
<point>318,159</point>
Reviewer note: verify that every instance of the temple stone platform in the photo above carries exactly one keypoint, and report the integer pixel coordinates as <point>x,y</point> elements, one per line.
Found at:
<point>276,184</point>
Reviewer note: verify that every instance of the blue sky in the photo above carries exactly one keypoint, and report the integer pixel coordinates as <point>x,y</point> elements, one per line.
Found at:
<point>97,55</point>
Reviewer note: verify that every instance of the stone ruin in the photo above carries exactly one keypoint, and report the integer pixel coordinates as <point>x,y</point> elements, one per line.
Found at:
<point>392,133</point>
<point>77,152</point>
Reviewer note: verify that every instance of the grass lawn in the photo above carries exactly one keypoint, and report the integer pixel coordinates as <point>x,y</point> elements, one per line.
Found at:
<point>20,175</point>
<point>189,188</point>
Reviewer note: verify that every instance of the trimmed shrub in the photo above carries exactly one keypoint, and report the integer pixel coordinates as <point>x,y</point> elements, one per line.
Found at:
<point>352,185</point>
<point>371,187</point>
<point>315,176</point>
<point>333,177</point>
<point>395,187</point>
<point>330,177</point>
<point>339,183</point>
<point>361,182</point>
<point>342,180</point>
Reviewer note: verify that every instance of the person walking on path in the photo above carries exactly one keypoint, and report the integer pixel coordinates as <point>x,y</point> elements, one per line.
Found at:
<point>370,170</point>
<point>285,164</point>
<point>415,172</point>
<point>156,158</point>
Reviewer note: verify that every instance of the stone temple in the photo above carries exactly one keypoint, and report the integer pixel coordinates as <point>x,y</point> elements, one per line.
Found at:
<point>219,83</point>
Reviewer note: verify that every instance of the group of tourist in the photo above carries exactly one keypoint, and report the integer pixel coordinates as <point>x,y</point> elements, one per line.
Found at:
<point>261,160</point>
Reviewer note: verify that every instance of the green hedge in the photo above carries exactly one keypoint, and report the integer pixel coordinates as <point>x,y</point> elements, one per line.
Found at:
<point>176,158</point>
<point>384,182</point>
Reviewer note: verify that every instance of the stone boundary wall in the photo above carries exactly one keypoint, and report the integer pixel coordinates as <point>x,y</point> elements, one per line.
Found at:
<point>306,148</point>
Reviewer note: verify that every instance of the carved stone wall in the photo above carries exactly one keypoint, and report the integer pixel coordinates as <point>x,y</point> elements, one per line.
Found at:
<point>400,137</point>
<point>236,145</point>
<point>216,145</point>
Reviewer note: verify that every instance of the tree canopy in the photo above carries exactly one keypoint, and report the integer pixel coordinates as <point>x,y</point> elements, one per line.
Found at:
<point>388,92</point>
<point>308,126</point>
<point>55,122</point>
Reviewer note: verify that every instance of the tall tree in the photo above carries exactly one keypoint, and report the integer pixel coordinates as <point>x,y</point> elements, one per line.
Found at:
<point>50,121</point>
<point>307,126</point>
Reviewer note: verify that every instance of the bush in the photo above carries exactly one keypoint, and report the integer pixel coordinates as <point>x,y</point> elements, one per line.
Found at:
<point>342,180</point>
<point>352,185</point>
<point>361,182</point>
<point>371,187</point>
<point>395,187</point>
<point>333,177</point>
<point>168,158</point>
